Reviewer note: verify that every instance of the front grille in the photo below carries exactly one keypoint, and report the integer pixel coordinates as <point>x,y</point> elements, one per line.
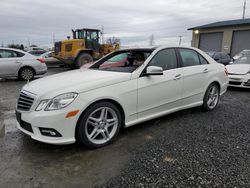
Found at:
<point>57,47</point>
<point>25,101</point>
<point>68,47</point>
<point>234,83</point>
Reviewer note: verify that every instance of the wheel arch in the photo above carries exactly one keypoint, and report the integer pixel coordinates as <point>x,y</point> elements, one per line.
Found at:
<point>83,51</point>
<point>25,66</point>
<point>117,104</point>
<point>212,82</point>
<point>217,83</point>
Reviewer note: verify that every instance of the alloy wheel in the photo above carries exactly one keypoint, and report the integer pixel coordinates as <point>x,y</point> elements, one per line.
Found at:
<point>213,97</point>
<point>27,74</point>
<point>101,125</point>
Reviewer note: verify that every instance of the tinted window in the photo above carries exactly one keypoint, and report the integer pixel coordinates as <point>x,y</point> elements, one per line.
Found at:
<point>203,61</point>
<point>165,59</point>
<point>189,57</point>
<point>10,54</point>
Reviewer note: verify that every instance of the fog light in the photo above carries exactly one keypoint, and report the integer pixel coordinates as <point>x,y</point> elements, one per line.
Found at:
<point>49,132</point>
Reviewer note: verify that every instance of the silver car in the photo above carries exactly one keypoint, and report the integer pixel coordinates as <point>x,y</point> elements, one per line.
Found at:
<point>17,63</point>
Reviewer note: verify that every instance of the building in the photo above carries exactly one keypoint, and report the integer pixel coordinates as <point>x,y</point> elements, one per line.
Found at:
<point>230,36</point>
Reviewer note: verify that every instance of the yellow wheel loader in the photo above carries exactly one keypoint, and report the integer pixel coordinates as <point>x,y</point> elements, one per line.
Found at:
<point>83,48</point>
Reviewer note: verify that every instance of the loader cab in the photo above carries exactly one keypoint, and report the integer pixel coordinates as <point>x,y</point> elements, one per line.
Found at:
<point>90,36</point>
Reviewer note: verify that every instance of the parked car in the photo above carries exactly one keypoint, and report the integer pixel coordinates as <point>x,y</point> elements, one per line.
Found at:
<point>50,60</point>
<point>242,53</point>
<point>17,63</point>
<point>220,57</point>
<point>239,72</point>
<point>37,52</point>
<point>91,105</point>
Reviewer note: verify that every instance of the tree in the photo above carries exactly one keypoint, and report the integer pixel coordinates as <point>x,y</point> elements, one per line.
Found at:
<point>21,47</point>
<point>113,41</point>
<point>151,40</point>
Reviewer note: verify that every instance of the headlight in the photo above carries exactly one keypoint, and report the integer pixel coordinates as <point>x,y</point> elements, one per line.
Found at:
<point>42,105</point>
<point>61,101</point>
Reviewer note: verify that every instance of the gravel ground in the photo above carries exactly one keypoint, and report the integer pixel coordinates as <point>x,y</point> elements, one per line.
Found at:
<point>195,149</point>
<point>190,148</point>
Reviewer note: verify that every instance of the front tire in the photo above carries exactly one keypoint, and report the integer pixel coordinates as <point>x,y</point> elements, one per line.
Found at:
<point>98,125</point>
<point>83,59</point>
<point>211,98</point>
<point>26,73</point>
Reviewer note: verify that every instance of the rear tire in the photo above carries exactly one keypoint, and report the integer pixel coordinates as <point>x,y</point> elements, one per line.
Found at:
<point>26,73</point>
<point>98,125</point>
<point>212,97</point>
<point>83,59</point>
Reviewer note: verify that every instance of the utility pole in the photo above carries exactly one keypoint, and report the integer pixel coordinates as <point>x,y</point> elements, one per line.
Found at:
<point>180,40</point>
<point>28,42</point>
<point>244,10</point>
<point>53,38</point>
<point>103,34</point>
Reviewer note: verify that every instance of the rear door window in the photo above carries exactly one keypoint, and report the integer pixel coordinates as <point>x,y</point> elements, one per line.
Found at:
<point>10,54</point>
<point>189,57</point>
<point>166,59</point>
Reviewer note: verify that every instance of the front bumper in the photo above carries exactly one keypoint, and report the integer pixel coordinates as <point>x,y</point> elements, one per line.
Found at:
<point>242,81</point>
<point>53,120</point>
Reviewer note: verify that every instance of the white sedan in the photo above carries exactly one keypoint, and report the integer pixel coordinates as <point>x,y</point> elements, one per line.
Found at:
<point>239,72</point>
<point>17,63</point>
<point>122,89</point>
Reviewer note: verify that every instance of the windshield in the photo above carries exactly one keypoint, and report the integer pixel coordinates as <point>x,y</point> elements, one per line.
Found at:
<point>123,61</point>
<point>243,60</point>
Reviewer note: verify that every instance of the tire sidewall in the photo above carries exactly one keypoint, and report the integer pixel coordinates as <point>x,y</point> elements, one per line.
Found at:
<point>81,136</point>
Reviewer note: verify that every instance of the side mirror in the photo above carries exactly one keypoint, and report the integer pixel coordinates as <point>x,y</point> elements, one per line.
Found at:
<point>154,70</point>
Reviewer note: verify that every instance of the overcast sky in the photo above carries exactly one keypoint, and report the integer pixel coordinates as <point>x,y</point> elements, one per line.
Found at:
<point>131,20</point>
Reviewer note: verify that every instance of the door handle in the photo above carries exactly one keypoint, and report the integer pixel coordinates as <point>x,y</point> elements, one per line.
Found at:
<point>177,77</point>
<point>17,61</point>
<point>205,71</point>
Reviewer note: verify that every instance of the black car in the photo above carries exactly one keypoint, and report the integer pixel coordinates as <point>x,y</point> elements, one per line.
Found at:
<point>220,57</point>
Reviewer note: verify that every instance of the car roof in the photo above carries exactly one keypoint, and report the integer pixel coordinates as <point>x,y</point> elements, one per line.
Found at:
<point>136,49</point>
<point>37,51</point>
<point>1,48</point>
<point>155,48</point>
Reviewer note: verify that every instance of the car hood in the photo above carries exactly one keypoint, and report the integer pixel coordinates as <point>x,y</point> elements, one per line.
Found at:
<point>79,81</point>
<point>238,68</point>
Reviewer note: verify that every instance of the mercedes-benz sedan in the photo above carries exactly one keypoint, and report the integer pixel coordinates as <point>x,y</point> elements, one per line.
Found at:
<point>122,89</point>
